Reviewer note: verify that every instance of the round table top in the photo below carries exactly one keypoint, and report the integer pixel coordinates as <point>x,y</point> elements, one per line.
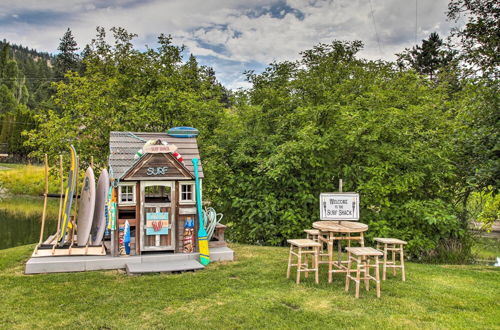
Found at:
<point>340,226</point>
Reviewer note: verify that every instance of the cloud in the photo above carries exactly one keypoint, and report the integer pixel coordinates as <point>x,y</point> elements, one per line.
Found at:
<point>231,34</point>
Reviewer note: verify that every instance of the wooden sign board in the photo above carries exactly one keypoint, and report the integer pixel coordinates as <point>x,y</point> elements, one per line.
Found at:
<point>339,206</point>
<point>157,223</point>
<point>159,148</point>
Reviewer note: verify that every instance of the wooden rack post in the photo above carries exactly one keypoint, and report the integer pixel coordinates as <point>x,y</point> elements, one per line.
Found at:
<point>61,199</point>
<point>45,193</point>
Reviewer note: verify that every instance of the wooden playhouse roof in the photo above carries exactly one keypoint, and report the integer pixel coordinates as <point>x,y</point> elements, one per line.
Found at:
<point>124,145</point>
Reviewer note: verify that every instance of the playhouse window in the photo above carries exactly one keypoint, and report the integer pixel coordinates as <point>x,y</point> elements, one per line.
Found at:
<point>187,192</point>
<point>126,194</point>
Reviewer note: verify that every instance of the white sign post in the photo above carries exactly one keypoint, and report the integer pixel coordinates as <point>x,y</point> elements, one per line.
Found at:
<point>339,206</point>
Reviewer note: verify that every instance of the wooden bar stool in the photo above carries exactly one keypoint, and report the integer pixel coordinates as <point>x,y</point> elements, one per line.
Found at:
<point>304,247</point>
<point>312,234</point>
<point>315,234</point>
<point>395,246</point>
<point>361,256</point>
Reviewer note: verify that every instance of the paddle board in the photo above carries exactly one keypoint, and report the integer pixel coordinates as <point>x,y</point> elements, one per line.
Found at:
<point>183,132</point>
<point>202,234</point>
<point>126,238</point>
<point>68,197</point>
<point>86,208</point>
<point>101,199</point>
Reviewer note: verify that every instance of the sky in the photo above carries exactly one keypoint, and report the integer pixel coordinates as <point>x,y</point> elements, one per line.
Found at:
<point>231,36</point>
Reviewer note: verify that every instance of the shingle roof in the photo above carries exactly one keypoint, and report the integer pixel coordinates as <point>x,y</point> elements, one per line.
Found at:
<point>124,145</point>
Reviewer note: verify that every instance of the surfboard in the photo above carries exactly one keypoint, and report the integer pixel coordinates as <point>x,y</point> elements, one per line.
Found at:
<point>101,199</point>
<point>68,197</point>
<point>202,233</point>
<point>86,208</point>
<point>183,132</point>
<point>126,238</point>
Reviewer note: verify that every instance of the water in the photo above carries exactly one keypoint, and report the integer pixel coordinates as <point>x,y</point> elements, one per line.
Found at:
<point>20,221</point>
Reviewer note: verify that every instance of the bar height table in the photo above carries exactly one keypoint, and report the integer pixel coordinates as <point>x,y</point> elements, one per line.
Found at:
<point>331,231</point>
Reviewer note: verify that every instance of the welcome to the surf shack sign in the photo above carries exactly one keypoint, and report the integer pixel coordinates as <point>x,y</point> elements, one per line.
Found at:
<point>339,206</point>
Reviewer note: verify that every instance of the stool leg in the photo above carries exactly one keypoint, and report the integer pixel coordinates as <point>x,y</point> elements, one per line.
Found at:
<point>402,261</point>
<point>362,236</point>
<point>385,262</point>
<point>299,265</point>
<point>377,276</point>
<point>289,262</point>
<point>348,273</point>
<point>394,261</point>
<point>330,260</point>
<point>316,263</point>
<point>306,263</point>
<point>367,273</point>
<point>358,277</point>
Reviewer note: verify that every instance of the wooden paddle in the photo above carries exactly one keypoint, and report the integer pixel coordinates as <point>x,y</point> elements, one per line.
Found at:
<point>202,234</point>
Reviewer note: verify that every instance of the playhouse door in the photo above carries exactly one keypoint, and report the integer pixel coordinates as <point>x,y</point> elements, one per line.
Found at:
<point>157,216</point>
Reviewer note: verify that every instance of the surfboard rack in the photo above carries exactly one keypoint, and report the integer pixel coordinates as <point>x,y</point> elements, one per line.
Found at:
<point>50,248</point>
<point>50,251</point>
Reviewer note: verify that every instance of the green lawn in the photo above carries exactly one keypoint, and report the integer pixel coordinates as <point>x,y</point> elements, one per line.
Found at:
<point>251,292</point>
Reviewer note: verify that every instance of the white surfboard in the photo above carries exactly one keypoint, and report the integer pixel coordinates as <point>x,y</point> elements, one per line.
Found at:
<point>101,199</point>
<point>86,208</point>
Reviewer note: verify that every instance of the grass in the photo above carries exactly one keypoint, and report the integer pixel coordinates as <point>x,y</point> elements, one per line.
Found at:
<point>9,166</point>
<point>29,206</point>
<point>251,292</point>
<point>27,180</point>
<point>486,248</point>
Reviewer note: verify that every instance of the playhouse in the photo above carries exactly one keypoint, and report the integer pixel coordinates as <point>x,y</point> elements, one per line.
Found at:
<point>157,185</point>
<point>142,215</point>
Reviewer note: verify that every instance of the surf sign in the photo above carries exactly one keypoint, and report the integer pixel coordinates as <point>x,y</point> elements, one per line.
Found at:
<point>339,206</point>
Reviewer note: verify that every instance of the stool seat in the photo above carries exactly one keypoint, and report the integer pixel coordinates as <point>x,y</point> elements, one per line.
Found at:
<point>389,240</point>
<point>303,242</point>
<point>364,251</point>
<point>311,231</point>
<point>304,248</point>
<point>393,246</point>
<point>361,257</point>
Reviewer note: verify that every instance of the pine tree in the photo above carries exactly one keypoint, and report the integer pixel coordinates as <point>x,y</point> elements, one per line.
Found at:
<point>428,58</point>
<point>67,59</point>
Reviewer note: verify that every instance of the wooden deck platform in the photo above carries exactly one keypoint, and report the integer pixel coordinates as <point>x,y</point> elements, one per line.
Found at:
<point>163,267</point>
<point>63,264</point>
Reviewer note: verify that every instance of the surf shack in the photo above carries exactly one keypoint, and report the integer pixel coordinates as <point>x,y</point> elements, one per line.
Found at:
<point>146,206</point>
<point>155,189</point>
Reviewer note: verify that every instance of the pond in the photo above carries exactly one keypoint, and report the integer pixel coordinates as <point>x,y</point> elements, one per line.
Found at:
<point>20,218</point>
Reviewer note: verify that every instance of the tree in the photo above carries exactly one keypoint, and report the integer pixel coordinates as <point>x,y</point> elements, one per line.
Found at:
<point>67,59</point>
<point>429,58</point>
<point>123,88</point>
<point>385,132</point>
<point>480,38</point>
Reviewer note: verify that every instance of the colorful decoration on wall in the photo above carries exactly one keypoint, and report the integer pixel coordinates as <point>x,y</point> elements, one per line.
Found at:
<point>188,235</point>
<point>157,223</point>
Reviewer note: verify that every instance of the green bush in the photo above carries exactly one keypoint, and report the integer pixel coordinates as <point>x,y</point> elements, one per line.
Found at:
<point>303,125</point>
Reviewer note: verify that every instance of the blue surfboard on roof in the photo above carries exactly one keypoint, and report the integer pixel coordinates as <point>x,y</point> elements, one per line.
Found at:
<point>183,132</point>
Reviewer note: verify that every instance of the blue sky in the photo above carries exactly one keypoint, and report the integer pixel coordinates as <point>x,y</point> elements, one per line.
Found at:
<point>231,36</point>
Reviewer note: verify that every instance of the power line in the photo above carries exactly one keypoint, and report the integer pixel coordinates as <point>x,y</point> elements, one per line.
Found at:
<point>416,20</point>
<point>375,26</point>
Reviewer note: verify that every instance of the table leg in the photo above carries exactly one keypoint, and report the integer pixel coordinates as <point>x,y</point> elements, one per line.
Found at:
<point>330,260</point>
<point>339,253</point>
